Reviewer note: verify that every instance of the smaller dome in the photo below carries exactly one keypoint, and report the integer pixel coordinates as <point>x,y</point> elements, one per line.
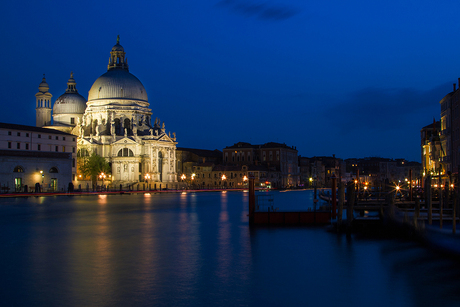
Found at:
<point>43,87</point>
<point>118,47</point>
<point>69,103</point>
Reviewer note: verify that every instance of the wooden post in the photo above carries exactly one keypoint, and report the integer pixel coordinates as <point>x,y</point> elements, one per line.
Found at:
<point>350,203</point>
<point>357,184</point>
<point>410,184</point>
<point>454,209</point>
<point>252,200</point>
<point>391,204</point>
<point>428,199</point>
<point>334,196</point>
<point>416,211</point>
<point>440,203</point>
<point>341,202</point>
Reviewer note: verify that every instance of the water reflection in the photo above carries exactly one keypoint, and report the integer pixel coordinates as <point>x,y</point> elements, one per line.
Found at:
<point>196,249</point>
<point>224,251</point>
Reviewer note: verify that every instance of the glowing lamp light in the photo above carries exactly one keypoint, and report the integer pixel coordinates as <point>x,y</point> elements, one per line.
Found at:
<point>183,177</point>
<point>245,178</point>
<point>397,188</point>
<point>224,177</point>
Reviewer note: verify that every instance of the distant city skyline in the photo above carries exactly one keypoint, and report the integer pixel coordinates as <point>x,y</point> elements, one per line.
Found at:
<point>353,79</point>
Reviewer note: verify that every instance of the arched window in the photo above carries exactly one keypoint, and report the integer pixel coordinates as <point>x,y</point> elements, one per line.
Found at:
<point>53,170</point>
<point>18,169</point>
<point>127,125</point>
<point>83,152</point>
<point>117,126</point>
<point>125,152</point>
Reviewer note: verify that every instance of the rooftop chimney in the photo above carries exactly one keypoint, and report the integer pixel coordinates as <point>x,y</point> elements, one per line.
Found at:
<point>454,87</point>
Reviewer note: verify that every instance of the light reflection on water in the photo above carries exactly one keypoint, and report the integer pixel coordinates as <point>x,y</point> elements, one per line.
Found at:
<point>196,249</point>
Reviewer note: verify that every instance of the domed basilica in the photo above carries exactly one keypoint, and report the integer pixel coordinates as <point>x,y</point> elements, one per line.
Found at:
<point>115,122</point>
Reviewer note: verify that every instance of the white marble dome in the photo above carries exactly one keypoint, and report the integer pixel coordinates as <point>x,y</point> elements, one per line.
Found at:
<point>117,84</point>
<point>69,103</point>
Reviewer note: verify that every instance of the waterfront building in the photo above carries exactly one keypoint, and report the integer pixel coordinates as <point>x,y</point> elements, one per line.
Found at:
<point>276,157</point>
<point>207,175</point>
<point>188,157</point>
<point>431,149</point>
<point>318,170</point>
<point>31,155</point>
<point>446,131</point>
<point>375,171</point>
<point>115,122</point>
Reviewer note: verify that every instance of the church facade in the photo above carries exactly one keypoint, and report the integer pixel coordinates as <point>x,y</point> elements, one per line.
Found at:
<point>116,123</point>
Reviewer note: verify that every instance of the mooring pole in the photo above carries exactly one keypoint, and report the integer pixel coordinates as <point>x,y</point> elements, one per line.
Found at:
<point>428,199</point>
<point>454,209</point>
<point>350,203</point>
<point>334,196</point>
<point>440,202</point>
<point>341,202</point>
<point>252,200</point>
<point>410,184</point>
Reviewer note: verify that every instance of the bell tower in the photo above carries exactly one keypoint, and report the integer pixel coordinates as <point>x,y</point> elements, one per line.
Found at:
<point>43,104</point>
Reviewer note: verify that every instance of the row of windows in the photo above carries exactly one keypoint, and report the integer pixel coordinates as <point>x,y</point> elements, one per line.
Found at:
<point>40,136</point>
<point>20,169</point>
<point>26,147</point>
<point>18,134</point>
<point>232,175</point>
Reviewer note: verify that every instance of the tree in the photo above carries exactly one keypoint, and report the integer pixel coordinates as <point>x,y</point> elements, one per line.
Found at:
<point>93,165</point>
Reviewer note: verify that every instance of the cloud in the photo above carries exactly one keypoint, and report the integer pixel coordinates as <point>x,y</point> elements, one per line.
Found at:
<point>376,109</point>
<point>262,10</point>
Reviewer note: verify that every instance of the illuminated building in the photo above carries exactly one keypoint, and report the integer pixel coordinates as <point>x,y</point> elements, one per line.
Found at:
<point>279,159</point>
<point>115,123</point>
<point>31,155</point>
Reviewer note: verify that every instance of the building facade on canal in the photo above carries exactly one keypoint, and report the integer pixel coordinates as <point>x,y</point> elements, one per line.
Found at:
<point>115,123</point>
<point>30,155</point>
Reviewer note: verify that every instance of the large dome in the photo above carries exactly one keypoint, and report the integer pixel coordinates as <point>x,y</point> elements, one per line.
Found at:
<point>117,84</point>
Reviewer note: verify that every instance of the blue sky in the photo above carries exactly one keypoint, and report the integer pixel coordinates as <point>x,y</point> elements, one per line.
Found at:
<point>354,78</point>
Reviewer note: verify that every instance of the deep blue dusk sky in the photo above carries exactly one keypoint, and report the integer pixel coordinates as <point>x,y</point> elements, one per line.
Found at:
<point>350,78</point>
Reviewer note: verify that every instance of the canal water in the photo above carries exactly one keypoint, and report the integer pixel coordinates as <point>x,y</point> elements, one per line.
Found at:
<point>196,249</point>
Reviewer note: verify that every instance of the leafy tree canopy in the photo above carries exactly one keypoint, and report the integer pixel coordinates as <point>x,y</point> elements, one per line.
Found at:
<point>93,165</point>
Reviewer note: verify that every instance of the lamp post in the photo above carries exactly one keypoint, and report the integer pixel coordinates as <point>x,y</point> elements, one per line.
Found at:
<point>147,178</point>
<point>102,177</point>
<point>223,179</point>
<point>245,180</point>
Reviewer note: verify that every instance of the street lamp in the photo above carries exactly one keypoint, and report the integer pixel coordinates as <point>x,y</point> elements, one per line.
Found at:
<point>183,177</point>
<point>102,177</point>
<point>147,178</point>
<point>223,178</point>
<point>245,179</point>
